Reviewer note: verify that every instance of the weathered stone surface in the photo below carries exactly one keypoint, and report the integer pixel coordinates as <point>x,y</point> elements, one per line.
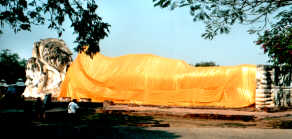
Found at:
<point>47,67</point>
<point>274,87</point>
<point>263,95</point>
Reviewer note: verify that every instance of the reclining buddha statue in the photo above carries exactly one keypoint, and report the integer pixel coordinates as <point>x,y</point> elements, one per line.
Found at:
<point>47,67</point>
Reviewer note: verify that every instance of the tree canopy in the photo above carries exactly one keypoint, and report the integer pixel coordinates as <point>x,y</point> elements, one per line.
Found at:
<point>205,64</point>
<point>277,43</point>
<point>220,15</point>
<point>89,27</point>
<point>12,67</point>
<point>271,20</point>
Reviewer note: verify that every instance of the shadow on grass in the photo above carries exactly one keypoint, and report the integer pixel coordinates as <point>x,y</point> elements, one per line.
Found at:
<point>119,119</point>
<point>101,125</point>
<point>282,124</point>
<point>236,125</point>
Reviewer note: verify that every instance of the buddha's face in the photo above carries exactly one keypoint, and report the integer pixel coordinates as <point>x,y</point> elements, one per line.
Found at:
<point>33,72</point>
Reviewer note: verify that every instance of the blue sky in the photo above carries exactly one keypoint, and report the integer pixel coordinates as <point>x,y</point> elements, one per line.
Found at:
<point>138,27</point>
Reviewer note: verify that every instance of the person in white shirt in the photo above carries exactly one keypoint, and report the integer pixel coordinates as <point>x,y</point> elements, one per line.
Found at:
<point>73,107</point>
<point>73,111</point>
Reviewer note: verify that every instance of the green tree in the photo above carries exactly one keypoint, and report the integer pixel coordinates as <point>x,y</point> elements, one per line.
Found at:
<point>12,67</point>
<point>205,64</point>
<point>219,15</point>
<point>277,43</point>
<point>22,14</point>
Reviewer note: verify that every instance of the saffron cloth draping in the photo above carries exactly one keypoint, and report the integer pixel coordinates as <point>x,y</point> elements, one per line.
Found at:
<point>153,80</point>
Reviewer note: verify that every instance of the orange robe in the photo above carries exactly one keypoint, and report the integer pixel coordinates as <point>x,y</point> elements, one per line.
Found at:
<point>153,80</point>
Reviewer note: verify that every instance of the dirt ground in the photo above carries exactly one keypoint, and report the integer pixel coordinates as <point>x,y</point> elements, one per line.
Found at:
<point>223,118</point>
<point>271,123</point>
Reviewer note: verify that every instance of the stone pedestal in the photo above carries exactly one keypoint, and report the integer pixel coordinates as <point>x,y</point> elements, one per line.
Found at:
<point>268,92</point>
